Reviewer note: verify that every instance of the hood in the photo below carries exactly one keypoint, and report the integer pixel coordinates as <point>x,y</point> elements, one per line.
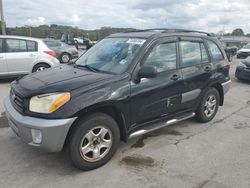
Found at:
<point>244,50</point>
<point>62,78</point>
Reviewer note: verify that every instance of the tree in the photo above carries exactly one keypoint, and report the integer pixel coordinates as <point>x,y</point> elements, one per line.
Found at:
<point>238,32</point>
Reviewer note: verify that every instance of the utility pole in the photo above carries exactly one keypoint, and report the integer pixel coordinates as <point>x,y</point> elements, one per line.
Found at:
<point>2,18</point>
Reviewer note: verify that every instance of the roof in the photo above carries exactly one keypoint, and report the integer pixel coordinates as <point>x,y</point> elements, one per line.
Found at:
<point>20,37</point>
<point>160,32</point>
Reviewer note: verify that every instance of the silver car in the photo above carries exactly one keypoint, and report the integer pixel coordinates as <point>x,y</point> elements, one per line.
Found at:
<point>24,55</point>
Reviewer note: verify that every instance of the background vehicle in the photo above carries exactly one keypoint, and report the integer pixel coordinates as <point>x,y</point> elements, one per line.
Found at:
<point>67,38</point>
<point>23,55</point>
<point>230,50</point>
<point>244,52</point>
<point>243,70</point>
<point>64,52</point>
<point>127,85</point>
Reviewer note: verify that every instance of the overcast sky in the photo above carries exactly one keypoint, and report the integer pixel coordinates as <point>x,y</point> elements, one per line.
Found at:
<point>207,15</point>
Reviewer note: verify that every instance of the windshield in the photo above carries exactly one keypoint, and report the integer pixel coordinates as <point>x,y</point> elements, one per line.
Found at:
<point>111,55</point>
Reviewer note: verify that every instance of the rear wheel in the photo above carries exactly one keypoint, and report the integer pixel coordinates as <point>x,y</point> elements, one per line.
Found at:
<point>93,141</point>
<point>65,58</point>
<point>209,105</point>
<point>40,67</point>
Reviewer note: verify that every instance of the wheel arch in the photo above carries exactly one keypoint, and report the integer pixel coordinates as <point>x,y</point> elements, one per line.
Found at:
<point>110,110</point>
<point>219,88</point>
<point>40,63</point>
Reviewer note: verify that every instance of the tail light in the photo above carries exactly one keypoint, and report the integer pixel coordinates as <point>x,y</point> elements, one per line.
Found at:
<point>51,53</point>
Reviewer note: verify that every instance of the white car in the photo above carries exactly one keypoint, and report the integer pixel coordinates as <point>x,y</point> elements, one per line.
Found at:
<point>244,52</point>
<point>24,55</point>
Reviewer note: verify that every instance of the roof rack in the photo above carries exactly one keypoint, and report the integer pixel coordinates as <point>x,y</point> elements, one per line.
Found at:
<point>165,30</point>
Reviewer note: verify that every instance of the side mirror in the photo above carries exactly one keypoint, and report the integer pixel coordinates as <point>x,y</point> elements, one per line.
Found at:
<point>147,72</point>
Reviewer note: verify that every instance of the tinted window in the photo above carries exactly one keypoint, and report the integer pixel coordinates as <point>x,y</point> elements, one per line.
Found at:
<point>1,45</point>
<point>191,53</point>
<point>215,51</point>
<point>163,57</point>
<point>14,45</point>
<point>204,55</point>
<point>31,46</point>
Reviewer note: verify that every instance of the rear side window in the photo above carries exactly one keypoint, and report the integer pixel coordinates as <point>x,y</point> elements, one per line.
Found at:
<point>191,53</point>
<point>163,57</point>
<point>16,45</point>
<point>204,56</point>
<point>215,51</point>
<point>31,46</point>
<point>52,44</point>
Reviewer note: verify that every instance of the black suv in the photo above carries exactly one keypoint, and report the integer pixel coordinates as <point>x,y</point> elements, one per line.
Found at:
<point>128,84</point>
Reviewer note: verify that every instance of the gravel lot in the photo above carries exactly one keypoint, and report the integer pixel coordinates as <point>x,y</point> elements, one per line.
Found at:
<point>188,154</point>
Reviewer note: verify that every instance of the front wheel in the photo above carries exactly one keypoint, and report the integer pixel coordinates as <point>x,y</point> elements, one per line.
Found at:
<point>209,105</point>
<point>93,141</point>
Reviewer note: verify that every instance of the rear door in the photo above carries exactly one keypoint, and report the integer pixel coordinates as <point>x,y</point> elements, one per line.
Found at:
<point>3,64</point>
<point>196,69</point>
<point>156,98</point>
<point>20,55</point>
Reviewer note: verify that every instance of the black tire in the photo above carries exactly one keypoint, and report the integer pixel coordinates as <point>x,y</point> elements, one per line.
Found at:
<point>201,114</point>
<point>40,67</point>
<point>65,58</point>
<point>78,135</point>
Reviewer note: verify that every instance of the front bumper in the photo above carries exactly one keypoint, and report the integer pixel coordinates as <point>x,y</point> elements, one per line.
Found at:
<point>242,73</point>
<point>54,131</point>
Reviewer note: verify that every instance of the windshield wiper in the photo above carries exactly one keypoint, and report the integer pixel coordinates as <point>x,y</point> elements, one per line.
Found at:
<point>86,66</point>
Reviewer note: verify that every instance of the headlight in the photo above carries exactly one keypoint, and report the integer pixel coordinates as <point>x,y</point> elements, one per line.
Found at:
<point>242,65</point>
<point>48,103</point>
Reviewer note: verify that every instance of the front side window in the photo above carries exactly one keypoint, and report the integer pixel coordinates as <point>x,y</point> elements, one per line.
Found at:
<point>162,57</point>
<point>215,51</point>
<point>111,55</point>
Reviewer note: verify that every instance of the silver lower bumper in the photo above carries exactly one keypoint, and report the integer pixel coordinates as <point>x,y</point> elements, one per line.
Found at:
<point>54,131</point>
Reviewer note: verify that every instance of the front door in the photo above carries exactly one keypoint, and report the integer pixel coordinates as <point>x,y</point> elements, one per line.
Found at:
<point>156,98</point>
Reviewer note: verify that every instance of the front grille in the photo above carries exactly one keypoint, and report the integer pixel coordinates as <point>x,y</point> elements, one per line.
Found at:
<point>18,101</point>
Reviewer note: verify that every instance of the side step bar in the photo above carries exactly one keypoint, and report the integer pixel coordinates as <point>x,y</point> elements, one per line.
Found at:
<point>155,127</point>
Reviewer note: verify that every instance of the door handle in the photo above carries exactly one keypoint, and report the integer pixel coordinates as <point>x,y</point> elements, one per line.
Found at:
<point>207,69</point>
<point>175,77</point>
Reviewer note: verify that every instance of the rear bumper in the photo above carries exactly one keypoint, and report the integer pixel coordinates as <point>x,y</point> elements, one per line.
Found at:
<point>226,86</point>
<point>54,131</point>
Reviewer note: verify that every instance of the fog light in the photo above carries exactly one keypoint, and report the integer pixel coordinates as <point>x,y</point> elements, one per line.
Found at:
<point>36,136</point>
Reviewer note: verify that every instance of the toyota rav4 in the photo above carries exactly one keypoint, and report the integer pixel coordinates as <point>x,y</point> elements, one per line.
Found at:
<point>127,85</point>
